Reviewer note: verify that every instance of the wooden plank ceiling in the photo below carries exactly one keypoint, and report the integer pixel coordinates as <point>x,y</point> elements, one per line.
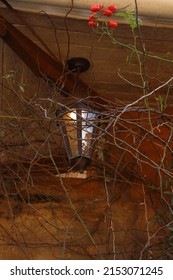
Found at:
<point>114,69</point>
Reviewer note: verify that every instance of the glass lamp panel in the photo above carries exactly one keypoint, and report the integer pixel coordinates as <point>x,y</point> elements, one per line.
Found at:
<point>70,120</point>
<point>88,119</point>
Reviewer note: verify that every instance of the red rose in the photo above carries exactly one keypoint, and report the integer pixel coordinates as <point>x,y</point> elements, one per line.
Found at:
<point>113,24</point>
<point>112,8</point>
<point>92,23</point>
<point>95,8</point>
<point>107,13</point>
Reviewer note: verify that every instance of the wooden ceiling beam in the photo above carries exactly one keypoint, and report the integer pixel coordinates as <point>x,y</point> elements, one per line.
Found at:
<point>41,63</point>
<point>3,29</point>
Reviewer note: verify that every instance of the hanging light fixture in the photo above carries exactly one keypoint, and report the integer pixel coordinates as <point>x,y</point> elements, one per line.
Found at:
<point>78,125</point>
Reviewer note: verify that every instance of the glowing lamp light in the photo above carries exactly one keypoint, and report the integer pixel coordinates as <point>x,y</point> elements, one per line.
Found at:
<point>78,126</point>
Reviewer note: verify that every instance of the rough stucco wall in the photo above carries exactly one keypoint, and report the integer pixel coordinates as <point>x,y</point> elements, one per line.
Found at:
<point>119,211</point>
<point>78,221</point>
<point>146,143</point>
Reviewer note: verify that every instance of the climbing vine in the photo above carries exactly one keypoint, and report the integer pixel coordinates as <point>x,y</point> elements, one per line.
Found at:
<point>123,208</point>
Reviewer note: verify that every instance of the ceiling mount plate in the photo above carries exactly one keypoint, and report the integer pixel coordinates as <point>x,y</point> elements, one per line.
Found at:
<point>78,64</point>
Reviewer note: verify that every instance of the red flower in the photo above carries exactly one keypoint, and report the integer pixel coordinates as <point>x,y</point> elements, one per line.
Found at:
<point>95,8</point>
<point>91,17</point>
<point>107,13</point>
<point>92,23</point>
<point>112,8</point>
<point>113,24</point>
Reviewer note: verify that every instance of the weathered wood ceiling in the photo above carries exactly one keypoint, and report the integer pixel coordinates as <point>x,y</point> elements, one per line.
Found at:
<point>114,69</point>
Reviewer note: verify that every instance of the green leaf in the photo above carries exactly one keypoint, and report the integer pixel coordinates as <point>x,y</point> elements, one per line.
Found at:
<point>130,17</point>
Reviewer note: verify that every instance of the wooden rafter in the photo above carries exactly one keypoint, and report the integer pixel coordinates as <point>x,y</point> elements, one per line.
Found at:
<point>41,63</point>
